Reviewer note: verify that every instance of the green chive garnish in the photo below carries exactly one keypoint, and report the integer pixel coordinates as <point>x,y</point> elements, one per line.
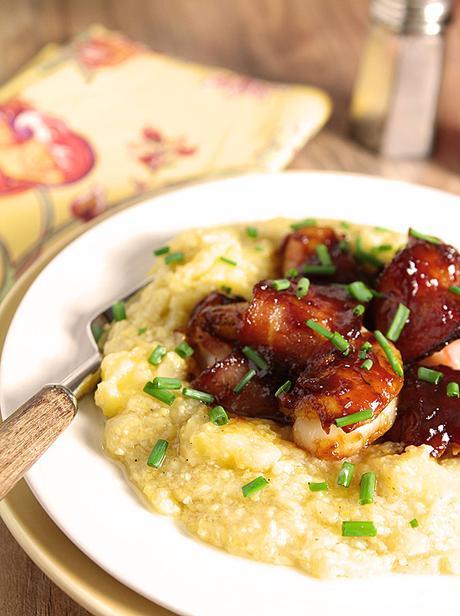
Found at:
<point>254,486</point>
<point>255,357</point>
<point>228,261</point>
<point>414,522</point>
<point>354,418</point>
<point>306,222</point>
<point>344,245</point>
<point>365,256</point>
<point>196,394</point>
<point>344,224</point>
<point>398,323</point>
<point>454,289</point>
<point>427,238</point>
<point>346,474</point>
<point>360,291</point>
<point>161,251</point>
<point>166,382</point>
<point>359,310</point>
<point>281,284</point>
<point>141,331</point>
<point>382,230</point>
<point>302,287</point>
<point>227,290</point>
<point>323,254</point>
<point>156,458</point>
<point>390,354</point>
<point>319,329</point>
<point>252,232</point>
<point>453,390</point>
<point>325,270</point>
<point>292,273</point>
<point>218,416</point>
<point>340,343</point>
<point>157,355</point>
<point>283,389</point>
<point>97,331</point>
<point>184,350</point>
<point>250,374</point>
<point>318,487</point>
<point>365,347</point>
<point>429,376</point>
<point>358,529</point>
<point>367,364</point>
<point>119,311</point>
<point>160,394</point>
<point>367,488</point>
<point>260,248</point>
<point>174,257</point>
<point>383,248</point>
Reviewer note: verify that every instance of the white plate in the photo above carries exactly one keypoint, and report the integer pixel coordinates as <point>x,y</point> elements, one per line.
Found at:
<point>87,496</point>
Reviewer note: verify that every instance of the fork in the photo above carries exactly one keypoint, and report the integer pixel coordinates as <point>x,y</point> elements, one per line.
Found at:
<point>33,427</point>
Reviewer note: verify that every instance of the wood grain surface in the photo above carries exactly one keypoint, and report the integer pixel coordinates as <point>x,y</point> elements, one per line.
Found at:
<point>28,433</point>
<point>317,42</point>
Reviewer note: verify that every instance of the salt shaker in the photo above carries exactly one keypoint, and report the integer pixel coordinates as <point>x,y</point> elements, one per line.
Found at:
<point>394,101</point>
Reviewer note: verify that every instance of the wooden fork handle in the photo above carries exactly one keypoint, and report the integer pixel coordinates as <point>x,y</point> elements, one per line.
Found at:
<point>28,432</point>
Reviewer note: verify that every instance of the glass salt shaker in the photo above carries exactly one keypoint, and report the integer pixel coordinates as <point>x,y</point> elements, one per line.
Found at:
<point>395,96</point>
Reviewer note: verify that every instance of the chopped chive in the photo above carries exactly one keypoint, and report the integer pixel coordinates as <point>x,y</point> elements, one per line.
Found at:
<point>390,354</point>
<point>325,270</point>
<point>306,222</point>
<point>302,287</point>
<point>358,529</point>
<point>354,418</point>
<point>161,251</point>
<point>158,454</point>
<point>141,331</point>
<point>377,293</point>
<point>346,474</point>
<point>454,289</point>
<point>255,357</point>
<point>166,382</point>
<point>292,273</point>
<point>283,389</point>
<point>281,284</point>
<point>344,224</point>
<point>453,390</point>
<point>228,261</point>
<point>157,355</point>
<point>383,248</point>
<point>160,394</point>
<point>340,343</point>
<point>119,311</point>
<point>318,487</point>
<point>174,257</point>
<point>367,488</point>
<point>97,331</point>
<point>382,229</point>
<point>398,323</point>
<point>360,291</point>
<point>254,486</point>
<point>323,254</point>
<point>196,394</point>
<point>367,364</point>
<point>250,374</point>
<point>429,376</point>
<point>227,290</point>
<point>365,347</point>
<point>319,329</point>
<point>344,245</point>
<point>260,248</point>
<point>184,350</point>
<point>218,416</point>
<point>359,310</point>
<point>427,238</point>
<point>414,523</point>
<point>365,256</point>
<point>252,232</point>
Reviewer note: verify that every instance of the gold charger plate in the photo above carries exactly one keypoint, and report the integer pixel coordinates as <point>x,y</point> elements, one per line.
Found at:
<point>36,533</point>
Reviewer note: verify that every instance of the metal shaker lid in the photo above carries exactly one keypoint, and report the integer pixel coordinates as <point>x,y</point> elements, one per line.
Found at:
<point>412,16</point>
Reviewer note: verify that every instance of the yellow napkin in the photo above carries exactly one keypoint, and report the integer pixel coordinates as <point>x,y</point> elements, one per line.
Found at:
<point>102,119</point>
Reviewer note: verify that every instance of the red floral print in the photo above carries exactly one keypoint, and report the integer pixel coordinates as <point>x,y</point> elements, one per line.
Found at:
<point>154,150</point>
<point>109,50</point>
<point>89,204</point>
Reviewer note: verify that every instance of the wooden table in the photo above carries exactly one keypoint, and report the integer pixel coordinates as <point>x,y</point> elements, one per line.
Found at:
<point>308,41</point>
